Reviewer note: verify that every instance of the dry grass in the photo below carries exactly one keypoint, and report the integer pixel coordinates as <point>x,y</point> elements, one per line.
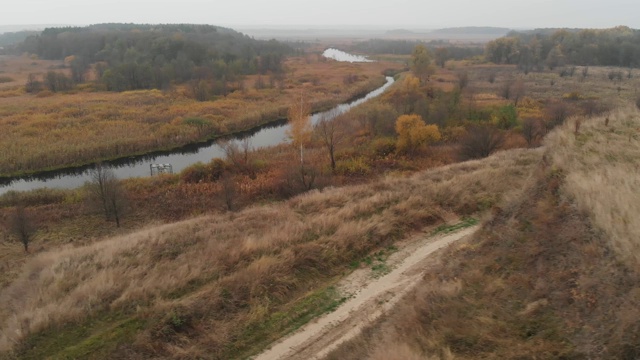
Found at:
<point>82,126</point>
<point>233,272</point>
<point>602,164</point>
<point>547,84</point>
<point>553,274</point>
<point>18,69</point>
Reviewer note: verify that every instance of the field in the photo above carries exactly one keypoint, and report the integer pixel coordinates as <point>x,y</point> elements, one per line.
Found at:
<point>55,130</point>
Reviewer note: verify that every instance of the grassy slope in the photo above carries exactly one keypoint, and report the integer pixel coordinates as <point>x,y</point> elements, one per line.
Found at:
<point>222,286</point>
<point>554,273</point>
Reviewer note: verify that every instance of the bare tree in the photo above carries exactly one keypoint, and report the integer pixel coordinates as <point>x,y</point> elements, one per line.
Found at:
<point>22,226</point>
<point>480,142</point>
<point>517,91</point>
<point>530,130</point>
<point>463,79</point>
<point>330,134</point>
<point>106,192</point>
<point>505,90</point>
<point>229,190</point>
<point>238,154</point>
<point>556,112</point>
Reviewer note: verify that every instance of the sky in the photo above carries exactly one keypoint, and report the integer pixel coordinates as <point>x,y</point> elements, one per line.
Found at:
<point>387,14</point>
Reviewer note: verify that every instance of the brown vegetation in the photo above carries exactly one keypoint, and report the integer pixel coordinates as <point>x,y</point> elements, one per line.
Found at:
<point>232,272</point>
<point>82,126</point>
<point>552,274</point>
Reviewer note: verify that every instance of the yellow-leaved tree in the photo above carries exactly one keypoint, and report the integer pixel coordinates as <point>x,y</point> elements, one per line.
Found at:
<point>421,63</point>
<point>300,132</point>
<point>413,134</point>
<point>300,128</point>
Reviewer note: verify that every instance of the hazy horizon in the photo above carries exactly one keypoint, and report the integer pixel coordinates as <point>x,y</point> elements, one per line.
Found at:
<point>405,14</point>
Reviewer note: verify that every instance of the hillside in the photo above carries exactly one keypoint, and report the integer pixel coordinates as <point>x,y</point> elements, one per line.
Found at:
<point>553,273</point>
<point>225,286</point>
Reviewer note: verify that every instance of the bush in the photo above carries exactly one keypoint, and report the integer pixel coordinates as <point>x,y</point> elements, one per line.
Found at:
<point>38,197</point>
<point>353,167</point>
<point>506,117</point>
<point>383,147</point>
<point>5,79</point>
<point>200,172</point>
<point>480,142</point>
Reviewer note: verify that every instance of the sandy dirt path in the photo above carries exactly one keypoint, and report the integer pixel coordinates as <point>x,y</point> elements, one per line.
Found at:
<point>370,297</point>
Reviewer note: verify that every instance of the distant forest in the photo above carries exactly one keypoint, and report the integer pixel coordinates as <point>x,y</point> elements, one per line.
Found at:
<point>405,47</point>
<point>619,46</point>
<point>10,38</point>
<point>131,56</point>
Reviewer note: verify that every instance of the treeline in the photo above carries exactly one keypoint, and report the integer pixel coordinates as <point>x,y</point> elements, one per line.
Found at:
<point>130,56</point>
<point>533,50</point>
<point>10,38</point>
<point>405,47</point>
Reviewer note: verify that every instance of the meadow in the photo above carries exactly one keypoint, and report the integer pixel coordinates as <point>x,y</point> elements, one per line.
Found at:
<point>55,130</point>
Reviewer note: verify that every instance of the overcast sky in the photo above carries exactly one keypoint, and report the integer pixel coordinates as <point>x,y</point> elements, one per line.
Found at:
<point>389,14</point>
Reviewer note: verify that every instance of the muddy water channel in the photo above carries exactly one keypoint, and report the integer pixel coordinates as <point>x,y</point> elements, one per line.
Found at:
<point>139,166</point>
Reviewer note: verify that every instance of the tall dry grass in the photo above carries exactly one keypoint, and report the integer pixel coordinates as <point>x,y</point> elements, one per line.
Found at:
<point>229,271</point>
<point>80,127</point>
<point>602,166</point>
<point>540,279</point>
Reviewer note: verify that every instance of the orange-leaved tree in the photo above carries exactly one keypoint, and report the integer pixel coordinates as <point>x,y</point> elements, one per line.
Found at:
<point>413,134</point>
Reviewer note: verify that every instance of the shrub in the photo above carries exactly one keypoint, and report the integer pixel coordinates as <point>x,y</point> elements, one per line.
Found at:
<point>383,147</point>
<point>480,142</point>
<point>200,172</point>
<point>353,167</point>
<point>413,133</point>
<point>506,117</point>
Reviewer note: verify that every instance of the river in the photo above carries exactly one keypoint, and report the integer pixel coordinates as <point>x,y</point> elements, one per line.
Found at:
<point>139,166</point>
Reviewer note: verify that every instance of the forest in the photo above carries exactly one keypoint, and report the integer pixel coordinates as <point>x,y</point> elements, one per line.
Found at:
<point>552,48</point>
<point>131,57</point>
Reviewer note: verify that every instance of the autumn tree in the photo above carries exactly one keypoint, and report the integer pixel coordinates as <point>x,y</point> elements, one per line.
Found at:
<point>22,227</point>
<point>506,117</point>
<point>106,193</point>
<point>300,128</point>
<point>330,134</point>
<point>413,133</point>
<point>441,56</point>
<point>33,85</point>
<point>421,63</point>
<point>555,58</point>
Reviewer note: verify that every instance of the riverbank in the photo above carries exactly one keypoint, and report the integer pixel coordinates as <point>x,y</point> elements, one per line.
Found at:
<point>270,134</point>
<point>74,129</point>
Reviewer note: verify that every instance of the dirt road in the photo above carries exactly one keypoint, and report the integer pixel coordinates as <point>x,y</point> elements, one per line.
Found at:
<point>370,297</point>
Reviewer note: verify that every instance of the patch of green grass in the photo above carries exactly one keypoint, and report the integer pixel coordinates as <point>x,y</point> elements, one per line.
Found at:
<point>263,331</point>
<point>447,228</point>
<point>94,338</point>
